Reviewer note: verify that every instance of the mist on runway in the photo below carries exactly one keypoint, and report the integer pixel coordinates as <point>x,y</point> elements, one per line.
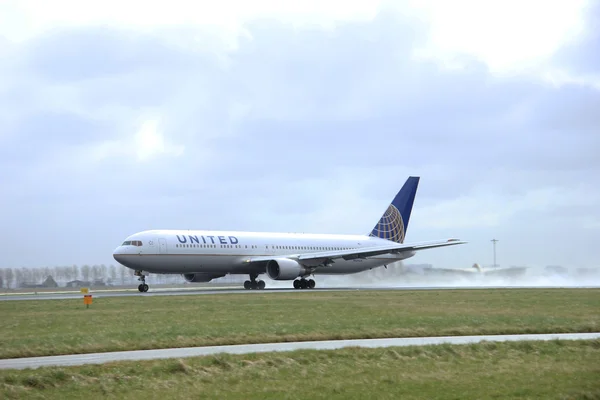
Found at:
<point>399,275</point>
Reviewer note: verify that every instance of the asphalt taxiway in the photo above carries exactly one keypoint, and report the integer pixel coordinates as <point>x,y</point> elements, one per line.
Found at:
<point>136,355</point>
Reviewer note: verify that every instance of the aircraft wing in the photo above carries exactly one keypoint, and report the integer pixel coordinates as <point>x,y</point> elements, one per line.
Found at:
<point>331,255</point>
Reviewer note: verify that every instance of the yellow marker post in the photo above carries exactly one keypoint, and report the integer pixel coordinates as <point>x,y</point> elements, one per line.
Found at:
<point>87,300</point>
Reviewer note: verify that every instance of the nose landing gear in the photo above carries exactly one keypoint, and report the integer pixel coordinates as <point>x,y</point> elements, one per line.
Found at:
<point>142,287</point>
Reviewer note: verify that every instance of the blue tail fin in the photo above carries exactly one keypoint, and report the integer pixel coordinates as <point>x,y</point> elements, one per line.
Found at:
<point>394,222</point>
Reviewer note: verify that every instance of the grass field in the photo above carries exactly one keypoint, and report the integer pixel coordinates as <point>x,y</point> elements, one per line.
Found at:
<point>35,328</point>
<point>526,370</point>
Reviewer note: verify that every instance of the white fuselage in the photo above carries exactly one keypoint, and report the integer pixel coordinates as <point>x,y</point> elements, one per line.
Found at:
<point>223,252</point>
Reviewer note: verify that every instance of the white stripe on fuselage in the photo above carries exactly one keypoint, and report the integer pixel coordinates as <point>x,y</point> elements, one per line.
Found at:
<point>225,251</point>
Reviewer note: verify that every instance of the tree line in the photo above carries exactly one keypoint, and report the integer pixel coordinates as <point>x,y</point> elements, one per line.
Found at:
<point>102,274</point>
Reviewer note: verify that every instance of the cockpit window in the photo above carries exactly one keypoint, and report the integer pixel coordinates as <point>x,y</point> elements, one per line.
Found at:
<point>132,243</point>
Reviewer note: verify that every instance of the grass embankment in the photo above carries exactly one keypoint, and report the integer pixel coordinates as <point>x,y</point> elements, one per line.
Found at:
<point>541,370</point>
<point>35,328</point>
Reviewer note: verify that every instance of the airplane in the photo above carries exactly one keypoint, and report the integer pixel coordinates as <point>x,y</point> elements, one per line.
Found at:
<point>475,270</point>
<point>203,255</point>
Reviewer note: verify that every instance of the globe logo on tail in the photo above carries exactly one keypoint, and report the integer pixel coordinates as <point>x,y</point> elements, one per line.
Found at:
<point>390,226</point>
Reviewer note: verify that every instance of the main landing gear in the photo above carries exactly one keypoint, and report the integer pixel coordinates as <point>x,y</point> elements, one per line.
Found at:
<point>253,283</point>
<point>143,287</point>
<point>304,284</point>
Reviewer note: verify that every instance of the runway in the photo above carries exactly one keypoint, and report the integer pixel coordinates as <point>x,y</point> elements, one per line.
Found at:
<point>167,292</point>
<point>103,293</point>
<point>137,355</point>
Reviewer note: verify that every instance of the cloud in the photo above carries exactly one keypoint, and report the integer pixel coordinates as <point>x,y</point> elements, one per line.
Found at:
<point>147,143</point>
<point>490,208</point>
<point>507,36</point>
<point>263,120</point>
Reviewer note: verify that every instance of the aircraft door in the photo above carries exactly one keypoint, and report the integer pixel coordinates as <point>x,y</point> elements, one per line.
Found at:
<point>162,246</point>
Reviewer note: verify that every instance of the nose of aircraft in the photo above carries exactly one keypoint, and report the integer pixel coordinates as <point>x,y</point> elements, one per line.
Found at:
<point>125,255</point>
<point>118,255</point>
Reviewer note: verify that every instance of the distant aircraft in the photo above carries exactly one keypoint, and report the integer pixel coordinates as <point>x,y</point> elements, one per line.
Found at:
<point>476,270</point>
<point>201,256</point>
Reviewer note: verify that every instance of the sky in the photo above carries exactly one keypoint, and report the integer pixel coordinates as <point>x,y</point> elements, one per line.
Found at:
<point>301,116</point>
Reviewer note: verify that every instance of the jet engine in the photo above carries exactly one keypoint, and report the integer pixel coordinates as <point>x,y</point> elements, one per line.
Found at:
<point>201,277</point>
<point>283,269</point>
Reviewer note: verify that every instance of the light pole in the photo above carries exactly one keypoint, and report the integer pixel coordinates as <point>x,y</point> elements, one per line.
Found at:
<point>494,243</point>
